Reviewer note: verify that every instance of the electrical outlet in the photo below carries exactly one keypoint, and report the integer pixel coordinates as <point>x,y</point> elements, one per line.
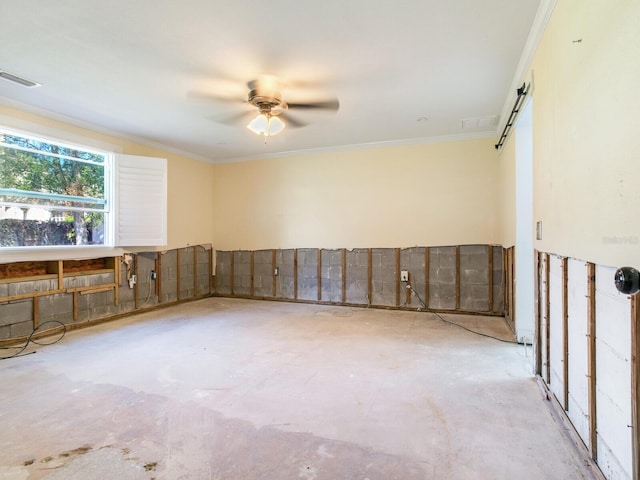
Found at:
<point>276,271</point>
<point>153,275</point>
<point>404,276</point>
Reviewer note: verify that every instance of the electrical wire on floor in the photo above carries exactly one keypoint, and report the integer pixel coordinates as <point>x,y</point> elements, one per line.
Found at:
<point>424,306</point>
<point>30,339</point>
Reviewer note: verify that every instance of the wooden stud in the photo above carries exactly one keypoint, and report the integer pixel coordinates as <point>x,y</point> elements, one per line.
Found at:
<point>369,276</point>
<point>344,275</point>
<point>232,272</point>
<point>457,277</point>
<point>117,279</point>
<point>295,273</point>
<point>538,329</point>
<point>273,273</point>
<point>211,275</point>
<point>490,275</point>
<point>75,306</point>
<point>635,384</point>
<point>251,272</point>
<point>319,275</point>
<point>36,312</point>
<point>591,359</point>
<point>178,273</point>
<point>195,271</point>
<point>397,277</point>
<point>135,285</point>
<point>159,276</point>
<point>547,301</point>
<point>427,253</point>
<point>565,331</point>
<point>505,281</point>
<point>60,275</point>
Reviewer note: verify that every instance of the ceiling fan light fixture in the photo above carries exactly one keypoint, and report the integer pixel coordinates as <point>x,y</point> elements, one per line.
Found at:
<point>266,125</point>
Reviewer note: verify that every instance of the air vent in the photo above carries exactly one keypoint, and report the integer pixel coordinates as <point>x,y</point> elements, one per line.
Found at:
<point>480,122</point>
<point>19,80</point>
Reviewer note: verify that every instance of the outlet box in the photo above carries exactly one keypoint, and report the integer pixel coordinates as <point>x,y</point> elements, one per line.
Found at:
<point>404,275</point>
<point>153,275</point>
<point>276,271</point>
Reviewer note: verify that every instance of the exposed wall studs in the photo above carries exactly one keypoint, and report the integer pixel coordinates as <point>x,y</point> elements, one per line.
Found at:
<point>635,384</point>
<point>233,273</point>
<point>457,277</point>
<point>344,275</point>
<point>274,264</point>
<point>159,277</point>
<point>547,301</point>
<point>369,276</point>
<point>178,273</point>
<point>319,274</point>
<point>36,312</point>
<point>490,279</point>
<point>565,331</point>
<point>427,253</point>
<point>591,359</point>
<point>295,274</point>
<point>251,272</point>
<point>135,285</point>
<point>397,277</point>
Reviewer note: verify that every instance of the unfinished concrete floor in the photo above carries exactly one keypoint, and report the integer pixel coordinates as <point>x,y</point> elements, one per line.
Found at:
<point>238,389</point>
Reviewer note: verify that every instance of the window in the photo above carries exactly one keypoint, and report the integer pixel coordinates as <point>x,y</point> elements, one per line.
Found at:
<point>52,194</point>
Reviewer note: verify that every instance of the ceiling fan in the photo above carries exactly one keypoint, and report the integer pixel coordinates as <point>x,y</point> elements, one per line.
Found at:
<point>265,95</point>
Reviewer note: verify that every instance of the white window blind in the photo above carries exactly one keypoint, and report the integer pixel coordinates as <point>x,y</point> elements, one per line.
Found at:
<point>140,201</point>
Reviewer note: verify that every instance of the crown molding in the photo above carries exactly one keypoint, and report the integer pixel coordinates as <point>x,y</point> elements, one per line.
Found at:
<point>540,22</point>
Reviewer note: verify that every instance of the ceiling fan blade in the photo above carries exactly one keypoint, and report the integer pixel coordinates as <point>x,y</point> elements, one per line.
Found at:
<point>211,96</point>
<point>292,121</point>
<point>234,119</point>
<point>333,104</point>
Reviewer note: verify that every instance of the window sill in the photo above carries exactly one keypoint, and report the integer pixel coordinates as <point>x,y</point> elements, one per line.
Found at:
<point>26,254</point>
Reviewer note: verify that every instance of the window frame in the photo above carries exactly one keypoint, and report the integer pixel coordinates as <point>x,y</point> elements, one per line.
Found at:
<point>107,175</point>
<point>52,134</point>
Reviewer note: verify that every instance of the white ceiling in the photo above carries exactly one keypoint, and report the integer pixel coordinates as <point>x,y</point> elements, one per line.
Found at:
<point>136,67</point>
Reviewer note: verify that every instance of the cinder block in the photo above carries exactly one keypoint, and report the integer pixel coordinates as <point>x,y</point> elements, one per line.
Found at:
<point>16,312</point>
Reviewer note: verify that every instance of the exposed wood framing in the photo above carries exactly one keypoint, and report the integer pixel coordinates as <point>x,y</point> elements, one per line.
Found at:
<point>457,277</point>
<point>591,358</point>
<point>60,275</point>
<point>490,274</point>
<point>211,276</point>
<point>178,275</point>
<point>369,276</point>
<point>295,273</point>
<point>565,331</point>
<point>397,277</point>
<point>547,302</point>
<point>117,279</point>
<point>159,276</point>
<point>635,384</point>
<point>36,312</point>
<point>232,272</point>
<point>319,274</point>
<point>273,273</point>
<point>538,317</point>
<point>427,253</point>
<point>251,272</point>
<point>75,306</point>
<point>135,285</point>
<point>195,271</point>
<point>344,275</point>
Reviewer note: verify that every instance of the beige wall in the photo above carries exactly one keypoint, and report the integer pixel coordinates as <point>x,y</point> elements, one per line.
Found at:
<point>586,149</point>
<point>432,194</point>
<point>190,204</point>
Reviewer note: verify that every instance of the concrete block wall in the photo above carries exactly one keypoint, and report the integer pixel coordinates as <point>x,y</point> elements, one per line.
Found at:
<point>457,278</point>
<point>442,278</point>
<point>356,276</point>
<point>308,274</point>
<point>18,316</point>
<point>331,275</point>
